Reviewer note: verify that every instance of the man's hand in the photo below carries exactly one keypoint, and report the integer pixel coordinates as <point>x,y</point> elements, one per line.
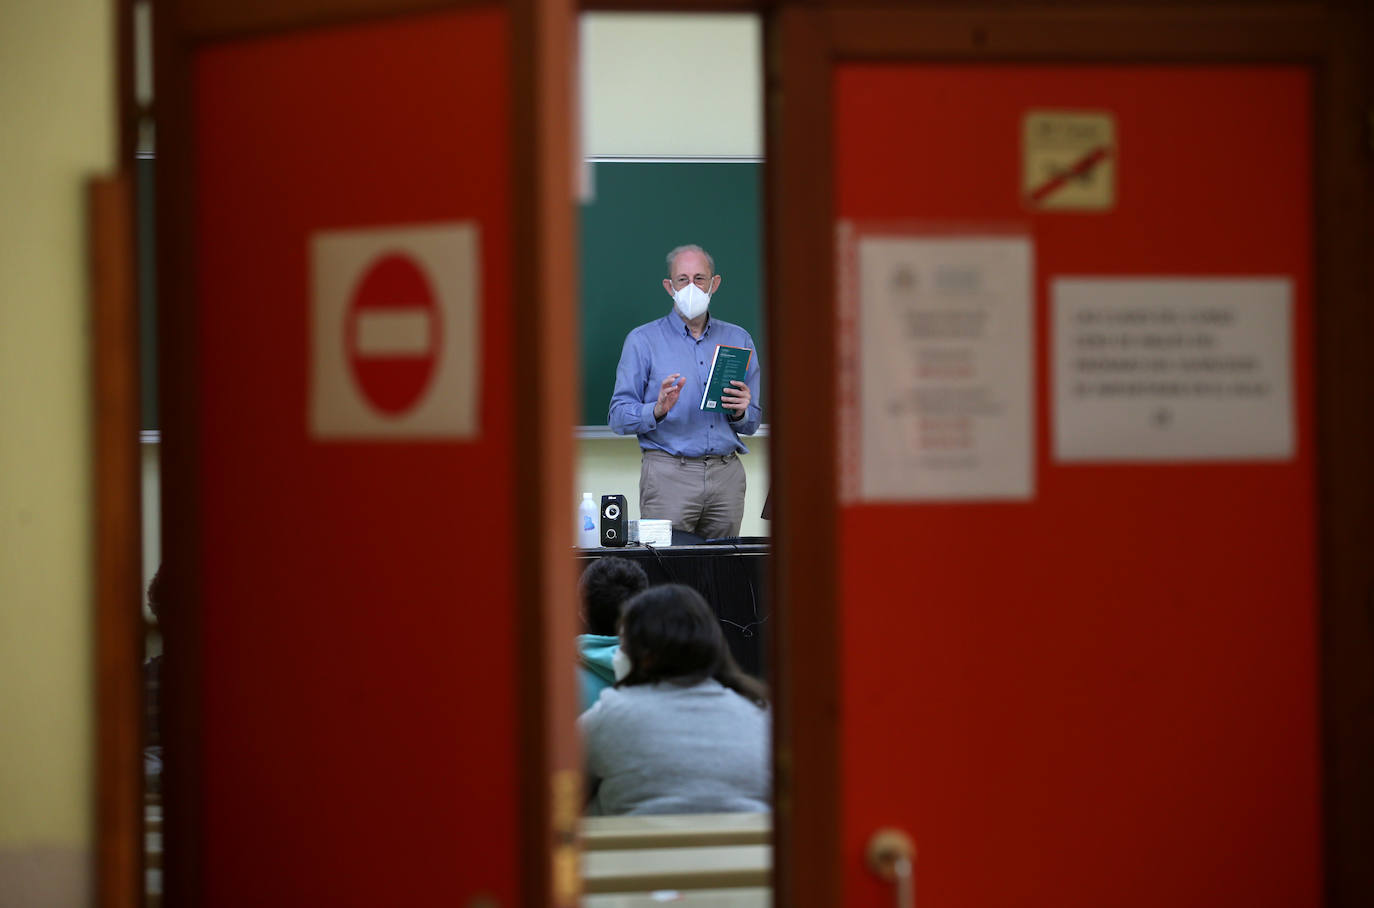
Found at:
<point>667,394</point>
<point>736,398</point>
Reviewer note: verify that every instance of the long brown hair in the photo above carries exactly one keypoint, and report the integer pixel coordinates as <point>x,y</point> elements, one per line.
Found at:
<point>671,635</point>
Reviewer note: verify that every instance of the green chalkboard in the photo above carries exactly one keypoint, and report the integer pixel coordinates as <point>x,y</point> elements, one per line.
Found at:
<point>638,213</point>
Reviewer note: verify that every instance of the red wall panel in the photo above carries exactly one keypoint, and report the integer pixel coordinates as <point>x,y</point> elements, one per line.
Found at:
<point>360,740</point>
<point>1107,695</point>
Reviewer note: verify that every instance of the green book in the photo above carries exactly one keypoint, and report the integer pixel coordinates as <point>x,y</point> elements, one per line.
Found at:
<point>729,364</point>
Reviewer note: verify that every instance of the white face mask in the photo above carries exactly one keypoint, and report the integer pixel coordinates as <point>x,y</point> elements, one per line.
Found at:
<point>691,301</point>
<point>621,663</point>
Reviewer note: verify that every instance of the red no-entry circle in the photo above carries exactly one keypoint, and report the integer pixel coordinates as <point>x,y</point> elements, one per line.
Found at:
<point>392,333</point>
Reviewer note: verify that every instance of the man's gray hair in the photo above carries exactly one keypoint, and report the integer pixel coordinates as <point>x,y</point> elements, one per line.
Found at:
<point>690,247</point>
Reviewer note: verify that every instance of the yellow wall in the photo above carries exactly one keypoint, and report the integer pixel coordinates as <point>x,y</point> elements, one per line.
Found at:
<point>57,128</point>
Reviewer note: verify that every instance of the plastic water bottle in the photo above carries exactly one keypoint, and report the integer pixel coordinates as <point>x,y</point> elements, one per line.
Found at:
<point>587,536</point>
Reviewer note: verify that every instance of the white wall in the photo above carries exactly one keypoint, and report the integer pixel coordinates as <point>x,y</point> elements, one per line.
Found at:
<point>670,85</point>
<point>57,128</point>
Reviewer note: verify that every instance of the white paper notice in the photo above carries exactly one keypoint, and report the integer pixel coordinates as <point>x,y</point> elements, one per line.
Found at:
<point>1172,369</point>
<point>936,381</point>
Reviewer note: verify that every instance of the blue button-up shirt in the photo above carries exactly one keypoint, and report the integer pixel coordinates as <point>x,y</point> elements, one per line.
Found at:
<point>655,351</point>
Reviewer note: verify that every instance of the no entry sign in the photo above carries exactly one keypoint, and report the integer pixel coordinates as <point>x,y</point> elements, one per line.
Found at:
<point>392,333</point>
<point>395,332</point>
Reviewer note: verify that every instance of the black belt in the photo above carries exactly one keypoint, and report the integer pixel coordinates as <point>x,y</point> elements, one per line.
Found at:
<point>684,459</point>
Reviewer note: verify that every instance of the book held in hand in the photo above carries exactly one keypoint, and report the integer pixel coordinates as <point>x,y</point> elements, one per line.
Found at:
<point>729,364</point>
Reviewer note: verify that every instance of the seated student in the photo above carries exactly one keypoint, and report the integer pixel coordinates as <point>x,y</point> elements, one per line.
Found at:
<point>683,730</point>
<point>605,585</point>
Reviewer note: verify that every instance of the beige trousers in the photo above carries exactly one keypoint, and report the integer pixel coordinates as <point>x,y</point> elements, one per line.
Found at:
<point>701,495</point>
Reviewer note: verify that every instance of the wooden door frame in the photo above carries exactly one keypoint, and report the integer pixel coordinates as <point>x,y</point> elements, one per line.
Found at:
<point>805,40</point>
<point>542,66</point>
<point>117,500</point>
<point>117,532</point>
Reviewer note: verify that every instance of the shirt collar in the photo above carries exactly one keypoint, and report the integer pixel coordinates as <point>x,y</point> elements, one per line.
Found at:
<point>683,327</point>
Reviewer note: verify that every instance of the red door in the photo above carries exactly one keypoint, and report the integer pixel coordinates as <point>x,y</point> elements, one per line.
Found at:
<point>1105,692</point>
<point>1097,683</point>
<point>373,721</point>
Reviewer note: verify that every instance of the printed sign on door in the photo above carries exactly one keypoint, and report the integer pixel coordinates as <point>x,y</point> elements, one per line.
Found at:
<point>1169,369</point>
<point>395,332</point>
<point>936,367</point>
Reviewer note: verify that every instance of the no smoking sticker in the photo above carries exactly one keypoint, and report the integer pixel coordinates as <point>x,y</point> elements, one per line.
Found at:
<point>395,332</point>
<point>1068,160</point>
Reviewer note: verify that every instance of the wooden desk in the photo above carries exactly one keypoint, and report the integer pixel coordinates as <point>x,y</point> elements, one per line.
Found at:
<point>752,897</point>
<point>676,831</point>
<point>649,869</point>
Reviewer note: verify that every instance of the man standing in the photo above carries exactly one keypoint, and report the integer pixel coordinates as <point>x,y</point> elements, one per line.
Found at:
<point>691,473</point>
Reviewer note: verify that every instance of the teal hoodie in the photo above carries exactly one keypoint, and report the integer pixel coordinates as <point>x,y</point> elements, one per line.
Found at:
<point>594,668</point>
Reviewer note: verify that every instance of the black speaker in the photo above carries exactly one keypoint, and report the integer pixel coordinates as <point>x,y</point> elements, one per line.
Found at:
<point>614,524</point>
